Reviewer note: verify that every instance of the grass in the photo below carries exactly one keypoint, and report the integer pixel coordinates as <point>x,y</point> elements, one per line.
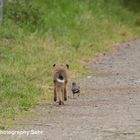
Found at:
<point>72,32</point>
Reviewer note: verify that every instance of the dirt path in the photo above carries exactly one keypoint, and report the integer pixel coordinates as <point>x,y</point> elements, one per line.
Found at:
<point>108,108</point>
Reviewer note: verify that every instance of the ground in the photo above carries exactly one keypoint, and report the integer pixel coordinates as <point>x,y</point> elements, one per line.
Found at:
<point>108,107</point>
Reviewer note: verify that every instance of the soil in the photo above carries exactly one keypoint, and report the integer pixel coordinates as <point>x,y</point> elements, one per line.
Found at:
<point>108,107</point>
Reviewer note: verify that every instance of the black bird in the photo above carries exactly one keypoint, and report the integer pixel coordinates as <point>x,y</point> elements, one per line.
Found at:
<point>75,89</point>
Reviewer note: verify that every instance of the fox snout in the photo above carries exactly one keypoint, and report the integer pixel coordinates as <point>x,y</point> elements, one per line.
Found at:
<point>61,79</point>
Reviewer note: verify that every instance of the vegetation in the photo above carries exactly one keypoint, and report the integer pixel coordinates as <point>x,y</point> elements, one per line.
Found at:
<point>36,34</point>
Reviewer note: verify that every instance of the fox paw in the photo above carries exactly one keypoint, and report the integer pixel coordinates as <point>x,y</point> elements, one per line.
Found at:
<point>61,103</point>
<point>54,99</point>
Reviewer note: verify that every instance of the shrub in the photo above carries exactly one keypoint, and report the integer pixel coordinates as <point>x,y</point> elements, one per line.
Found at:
<point>23,13</point>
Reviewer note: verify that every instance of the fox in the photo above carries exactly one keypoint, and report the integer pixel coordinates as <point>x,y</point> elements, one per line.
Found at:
<point>60,80</point>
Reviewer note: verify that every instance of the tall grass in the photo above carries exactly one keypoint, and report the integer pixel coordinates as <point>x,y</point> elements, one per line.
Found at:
<point>69,32</point>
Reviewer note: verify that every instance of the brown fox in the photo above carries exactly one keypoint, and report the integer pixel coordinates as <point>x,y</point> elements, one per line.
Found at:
<point>60,79</point>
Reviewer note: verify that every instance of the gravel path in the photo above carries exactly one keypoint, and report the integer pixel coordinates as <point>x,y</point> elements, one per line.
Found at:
<point>107,109</point>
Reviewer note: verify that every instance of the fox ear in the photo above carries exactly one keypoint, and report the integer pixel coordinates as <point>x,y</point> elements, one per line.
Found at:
<point>67,66</point>
<point>53,65</point>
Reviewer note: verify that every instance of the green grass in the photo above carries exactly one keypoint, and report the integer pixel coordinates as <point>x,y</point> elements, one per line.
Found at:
<point>72,32</point>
